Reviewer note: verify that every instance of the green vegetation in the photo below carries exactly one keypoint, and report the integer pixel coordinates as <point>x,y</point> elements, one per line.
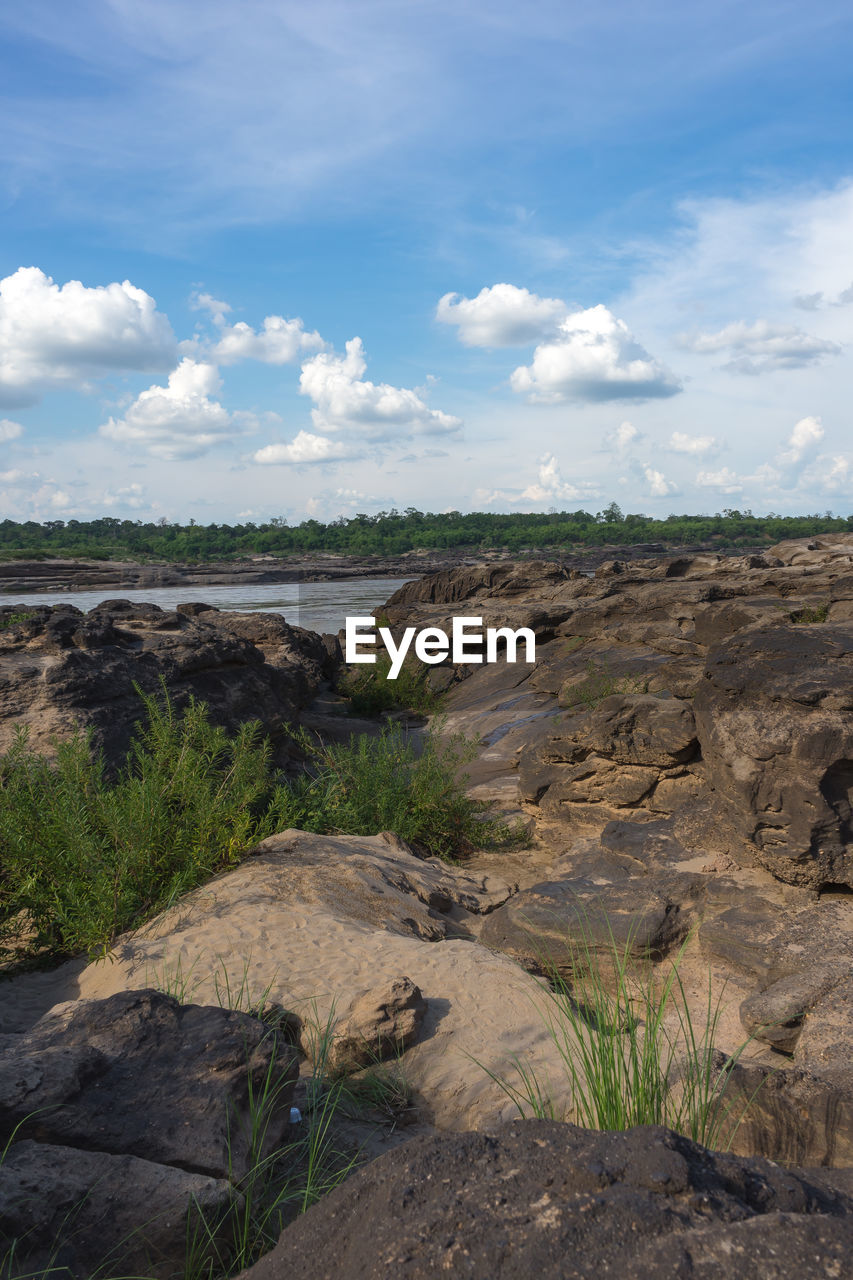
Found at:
<point>810,613</point>
<point>632,1050</point>
<point>84,856</point>
<point>600,683</point>
<point>371,693</point>
<point>394,532</point>
<point>12,619</point>
<point>383,784</point>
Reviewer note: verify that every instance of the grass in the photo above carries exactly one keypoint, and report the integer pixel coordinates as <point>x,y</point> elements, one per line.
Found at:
<point>600,683</point>
<point>85,856</point>
<point>811,613</point>
<point>371,693</point>
<point>12,619</point>
<point>632,1051</point>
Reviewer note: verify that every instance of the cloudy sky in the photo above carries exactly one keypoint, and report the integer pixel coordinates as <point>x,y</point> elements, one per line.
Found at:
<point>268,258</point>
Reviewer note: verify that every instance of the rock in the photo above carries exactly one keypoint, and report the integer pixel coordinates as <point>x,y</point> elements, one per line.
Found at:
<point>62,669</point>
<point>565,924</point>
<point>775,1015</point>
<point>140,1074</point>
<point>636,729</point>
<point>542,1199</point>
<point>774,714</point>
<point>380,1024</point>
<point>789,1115</point>
<point>86,1213</point>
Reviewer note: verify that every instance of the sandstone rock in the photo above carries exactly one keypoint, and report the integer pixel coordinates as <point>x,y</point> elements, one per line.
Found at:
<point>380,1024</point>
<point>139,1074</point>
<point>61,669</point>
<point>774,714</point>
<point>86,1213</point>
<point>543,1199</point>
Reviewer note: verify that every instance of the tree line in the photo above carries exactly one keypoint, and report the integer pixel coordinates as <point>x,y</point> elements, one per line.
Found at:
<point>390,533</point>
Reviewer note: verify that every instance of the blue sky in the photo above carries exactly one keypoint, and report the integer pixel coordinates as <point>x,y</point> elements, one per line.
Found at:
<point>261,261</point>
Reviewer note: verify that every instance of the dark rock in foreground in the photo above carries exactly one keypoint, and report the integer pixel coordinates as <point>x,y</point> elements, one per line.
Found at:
<point>538,1199</point>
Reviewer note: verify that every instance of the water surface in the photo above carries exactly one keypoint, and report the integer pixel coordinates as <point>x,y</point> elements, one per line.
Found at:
<point>319,606</point>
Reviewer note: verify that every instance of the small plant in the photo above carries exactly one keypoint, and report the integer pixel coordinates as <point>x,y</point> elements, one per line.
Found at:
<point>811,614</point>
<point>371,693</point>
<point>600,683</point>
<point>12,619</point>
<point>633,1051</point>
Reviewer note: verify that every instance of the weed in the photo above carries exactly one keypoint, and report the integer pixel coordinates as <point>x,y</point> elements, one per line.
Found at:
<point>810,613</point>
<point>371,693</point>
<point>632,1051</point>
<point>600,683</point>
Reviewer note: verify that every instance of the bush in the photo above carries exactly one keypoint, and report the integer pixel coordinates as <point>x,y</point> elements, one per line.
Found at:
<point>381,783</point>
<point>84,857</point>
<point>371,693</point>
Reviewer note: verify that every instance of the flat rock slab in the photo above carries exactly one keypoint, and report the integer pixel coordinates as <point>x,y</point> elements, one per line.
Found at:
<point>562,923</point>
<point>140,1074</point>
<point>543,1199</point>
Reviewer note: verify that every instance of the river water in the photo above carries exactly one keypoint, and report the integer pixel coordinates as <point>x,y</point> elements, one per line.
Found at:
<point>319,606</point>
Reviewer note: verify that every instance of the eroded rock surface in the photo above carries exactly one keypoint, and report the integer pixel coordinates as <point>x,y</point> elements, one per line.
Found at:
<point>61,669</point>
<point>543,1199</point>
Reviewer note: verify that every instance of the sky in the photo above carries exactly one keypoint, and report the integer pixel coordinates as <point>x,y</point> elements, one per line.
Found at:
<point>268,259</point>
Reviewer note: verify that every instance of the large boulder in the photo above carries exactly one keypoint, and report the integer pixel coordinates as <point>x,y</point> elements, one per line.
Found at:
<point>61,669</point>
<point>140,1074</point>
<point>774,715</point>
<point>542,1199</point>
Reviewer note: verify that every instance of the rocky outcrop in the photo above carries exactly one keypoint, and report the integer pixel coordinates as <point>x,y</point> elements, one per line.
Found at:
<point>61,669</point>
<point>124,1118</point>
<point>537,1198</point>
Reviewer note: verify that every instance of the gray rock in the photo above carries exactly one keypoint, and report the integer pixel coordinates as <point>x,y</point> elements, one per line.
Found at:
<point>140,1074</point>
<point>86,1212</point>
<point>543,1199</point>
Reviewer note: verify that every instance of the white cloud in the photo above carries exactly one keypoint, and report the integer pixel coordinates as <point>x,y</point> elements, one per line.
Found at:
<point>761,347</point>
<point>725,480</point>
<point>624,437</point>
<point>502,316</point>
<point>179,420</point>
<point>551,485</point>
<point>131,495</point>
<point>681,442</point>
<point>206,302</point>
<point>345,401</point>
<point>594,358</point>
<point>10,430</point>
<point>839,477</point>
<point>304,448</point>
<point>279,342</point>
<point>658,484</point>
<point>803,441</point>
<point>58,336</point>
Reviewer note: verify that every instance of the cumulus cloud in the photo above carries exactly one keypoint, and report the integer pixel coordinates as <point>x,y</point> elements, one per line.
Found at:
<point>681,442</point>
<point>59,335</point>
<point>760,347</point>
<point>206,302</point>
<point>839,476</point>
<point>180,420</point>
<point>658,484</point>
<point>306,447</point>
<point>551,484</point>
<point>279,342</point>
<point>502,316</point>
<point>803,442</point>
<point>131,495</point>
<point>624,437</point>
<point>10,430</point>
<point>725,480</point>
<point>345,401</point>
<point>594,357</point>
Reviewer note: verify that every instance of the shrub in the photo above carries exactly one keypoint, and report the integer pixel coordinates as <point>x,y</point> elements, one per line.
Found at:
<point>382,783</point>
<point>371,693</point>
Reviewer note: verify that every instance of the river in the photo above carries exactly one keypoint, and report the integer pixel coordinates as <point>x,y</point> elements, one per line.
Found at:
<point>319,606</point>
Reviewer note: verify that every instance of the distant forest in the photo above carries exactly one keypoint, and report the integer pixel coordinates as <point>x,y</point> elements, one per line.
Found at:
<point>394,532</point>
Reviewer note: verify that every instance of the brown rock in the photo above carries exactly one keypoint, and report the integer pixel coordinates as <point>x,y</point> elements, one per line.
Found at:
<point>381,1023</point>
